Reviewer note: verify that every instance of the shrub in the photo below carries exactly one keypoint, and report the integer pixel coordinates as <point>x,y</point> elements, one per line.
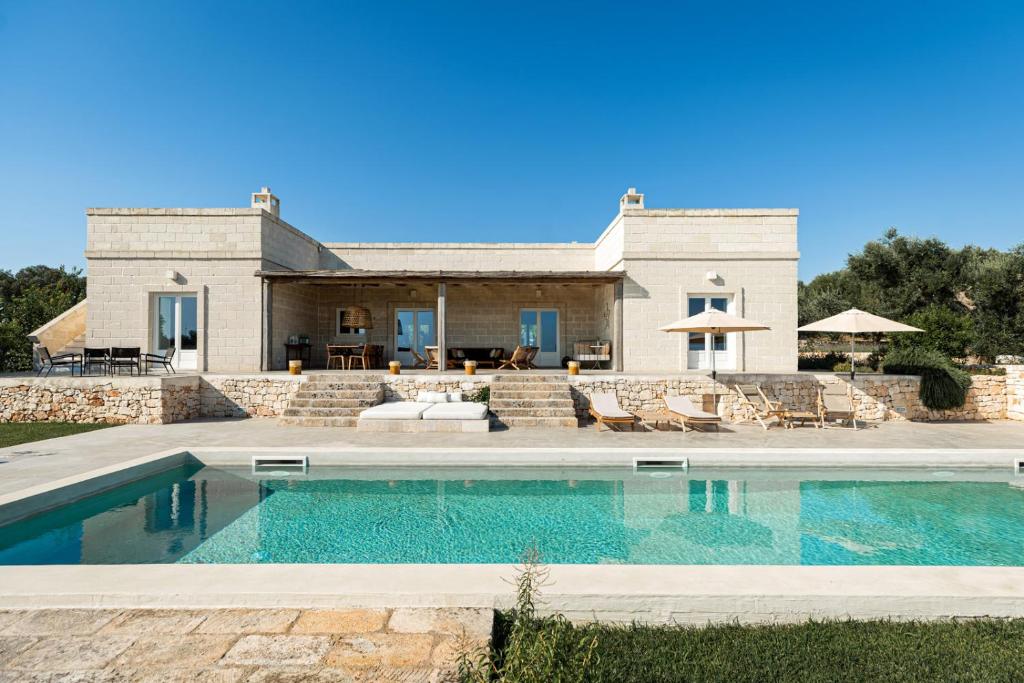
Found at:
<point>943,385</point>
<point>820,361</point>
<point>481,395</point>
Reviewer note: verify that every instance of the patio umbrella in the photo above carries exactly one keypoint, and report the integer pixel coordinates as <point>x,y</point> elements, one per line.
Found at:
<point>714,322</point>
<point>853,322</point>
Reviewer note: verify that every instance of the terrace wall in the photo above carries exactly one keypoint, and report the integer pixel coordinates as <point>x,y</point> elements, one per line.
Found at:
<point>164,399</point>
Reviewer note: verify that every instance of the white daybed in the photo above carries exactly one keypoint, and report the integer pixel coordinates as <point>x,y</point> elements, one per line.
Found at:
<point>434,415</point>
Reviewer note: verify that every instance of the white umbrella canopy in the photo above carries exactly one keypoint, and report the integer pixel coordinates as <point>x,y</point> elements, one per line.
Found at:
<point>714,321</point>
<point>855,321</point>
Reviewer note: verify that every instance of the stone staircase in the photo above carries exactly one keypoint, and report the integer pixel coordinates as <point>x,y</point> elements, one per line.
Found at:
<point>532,401</point>
<point>332,400</point>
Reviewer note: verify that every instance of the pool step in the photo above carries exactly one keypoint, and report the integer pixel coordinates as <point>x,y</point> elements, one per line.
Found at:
<point>332,401</point>
<point>543,401</point>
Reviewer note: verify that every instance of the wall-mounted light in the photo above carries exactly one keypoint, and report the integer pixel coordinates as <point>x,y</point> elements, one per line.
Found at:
<point>412,293</point>
<point>172,275</point>
<point>539,293</point>
<point>711,276</point>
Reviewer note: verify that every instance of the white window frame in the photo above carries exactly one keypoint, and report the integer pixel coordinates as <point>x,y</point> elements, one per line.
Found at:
<point>731,338</point>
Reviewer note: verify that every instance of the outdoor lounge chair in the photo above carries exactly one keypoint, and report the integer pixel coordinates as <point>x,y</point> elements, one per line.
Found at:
<point>93,356</point>
<point>605,409</point>
<point>835,402</point>
<point>61,360</point>
<point>681,408</point>
<point>518,360</point>
<point>531,355</point>
<point>126,357</point>
<point>418,361</point>
<point>763,409</point>
<point>164,359</point>
<point>433,357</point>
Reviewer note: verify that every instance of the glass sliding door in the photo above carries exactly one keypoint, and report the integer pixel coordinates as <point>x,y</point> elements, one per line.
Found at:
<point>415,328</point>
<point>176,326</point>
<point>539,327</point>
<point>700,346</point>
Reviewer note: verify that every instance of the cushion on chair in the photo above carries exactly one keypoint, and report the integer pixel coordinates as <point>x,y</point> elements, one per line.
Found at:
<point>456,411</point>
<point>396,410</point>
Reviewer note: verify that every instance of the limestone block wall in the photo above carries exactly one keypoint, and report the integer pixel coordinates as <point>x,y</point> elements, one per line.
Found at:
<point>478,315</point>
<point>214,254</point>
<point>293,312</point>
<point>1015,392</point>
<point>462,255</point>
<point>878,397</point>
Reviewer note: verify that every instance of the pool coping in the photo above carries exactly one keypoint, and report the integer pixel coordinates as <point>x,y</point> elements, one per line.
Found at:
<point>649,593</point>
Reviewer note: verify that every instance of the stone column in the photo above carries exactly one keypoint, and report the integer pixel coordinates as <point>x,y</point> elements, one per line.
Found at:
<point>442,323</point>
<point>266,358</point>
<point>617,327</point>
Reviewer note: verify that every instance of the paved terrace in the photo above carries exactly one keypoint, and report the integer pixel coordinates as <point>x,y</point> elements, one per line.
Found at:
<point>44,461</point>
<point>224,646</point>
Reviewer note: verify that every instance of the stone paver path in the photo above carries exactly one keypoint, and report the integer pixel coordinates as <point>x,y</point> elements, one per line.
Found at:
<point>236,645</point>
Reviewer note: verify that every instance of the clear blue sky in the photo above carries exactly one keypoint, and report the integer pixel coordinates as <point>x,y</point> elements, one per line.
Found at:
<point>514,121</point>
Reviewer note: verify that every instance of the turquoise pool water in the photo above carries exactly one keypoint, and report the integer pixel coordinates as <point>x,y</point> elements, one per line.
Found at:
<point>598,516</point>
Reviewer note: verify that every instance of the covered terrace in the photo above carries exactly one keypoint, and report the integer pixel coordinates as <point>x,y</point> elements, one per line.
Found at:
<point>476,312</point>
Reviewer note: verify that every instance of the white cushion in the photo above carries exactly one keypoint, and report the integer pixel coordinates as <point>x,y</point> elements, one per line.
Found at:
<point>396,410</point>
<point>465,410</point>
<point>433,397</point>
<point>455,396</point>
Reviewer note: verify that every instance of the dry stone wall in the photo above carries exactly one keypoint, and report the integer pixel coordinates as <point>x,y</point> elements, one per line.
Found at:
<point>876,397</point>
<point>99,399</point>
<point>247,396</point>
<point>408,387</point>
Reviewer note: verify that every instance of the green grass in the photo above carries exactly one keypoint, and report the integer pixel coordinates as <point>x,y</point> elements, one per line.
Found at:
<point>14,433</point>
<point>820,651</point>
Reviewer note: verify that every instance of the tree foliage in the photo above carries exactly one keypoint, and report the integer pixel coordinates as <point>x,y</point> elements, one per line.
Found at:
<point>969,301</point>
<point>28,299</point>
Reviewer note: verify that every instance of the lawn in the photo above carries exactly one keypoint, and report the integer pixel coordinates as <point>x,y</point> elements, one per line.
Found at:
<point>14,433</point>
<point>824,651</point>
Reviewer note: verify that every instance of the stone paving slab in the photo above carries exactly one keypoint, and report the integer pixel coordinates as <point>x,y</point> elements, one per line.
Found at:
<point>239,645</point>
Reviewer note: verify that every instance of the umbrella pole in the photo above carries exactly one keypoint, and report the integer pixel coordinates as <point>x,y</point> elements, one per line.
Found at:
<point>853,359</point>
<point>714,377</point>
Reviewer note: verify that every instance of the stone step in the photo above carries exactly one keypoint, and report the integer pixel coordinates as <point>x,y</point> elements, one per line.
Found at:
<point>324,412</point>
<point>528,379</point>
<point>330,403</point>
<point>360,394</point>
<point>554,402</point>
<point>538,394</point>
<point>347,386</point>
<point>294,421</point>
<point>539,422</point>
<point>534,412</point>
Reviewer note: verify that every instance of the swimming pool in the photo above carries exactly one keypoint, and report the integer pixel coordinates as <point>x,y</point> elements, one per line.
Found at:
<point>222,515</point>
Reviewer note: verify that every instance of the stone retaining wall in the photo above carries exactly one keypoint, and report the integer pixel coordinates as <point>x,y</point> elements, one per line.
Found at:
<point>876,397</point>
<point>247,396</point>
<point>408,387</point>
<point>121,400</point>
<point>164,399</point>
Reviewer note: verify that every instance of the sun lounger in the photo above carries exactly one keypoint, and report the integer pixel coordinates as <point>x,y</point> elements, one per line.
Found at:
<point>762,408</point>
<point>605,409</point>
<point>835,402</point>
<point>518,360</point>
<point>688,415</point>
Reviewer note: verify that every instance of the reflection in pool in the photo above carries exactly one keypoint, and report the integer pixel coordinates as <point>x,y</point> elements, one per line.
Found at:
<point>210,515</point>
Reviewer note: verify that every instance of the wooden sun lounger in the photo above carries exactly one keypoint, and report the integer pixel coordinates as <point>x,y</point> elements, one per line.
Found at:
<point>835,402</point>
<point>681,408</point>
<point>605,409</point>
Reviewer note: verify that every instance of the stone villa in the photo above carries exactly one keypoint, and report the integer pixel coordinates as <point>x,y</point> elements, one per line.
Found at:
<point>228,288</point>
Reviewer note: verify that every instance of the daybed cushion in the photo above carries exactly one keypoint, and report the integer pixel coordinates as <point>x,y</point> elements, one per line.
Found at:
<point>456,411</point>
<point>433,397</point>
<point>396,410</point>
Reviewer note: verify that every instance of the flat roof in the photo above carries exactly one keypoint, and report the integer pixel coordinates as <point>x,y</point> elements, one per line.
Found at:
<point>379,276</point>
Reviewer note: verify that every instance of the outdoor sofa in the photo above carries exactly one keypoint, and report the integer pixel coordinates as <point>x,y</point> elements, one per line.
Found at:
<point>435,411</point>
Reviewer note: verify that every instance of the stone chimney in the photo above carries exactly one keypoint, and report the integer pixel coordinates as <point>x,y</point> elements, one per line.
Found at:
<point>265,199</point>
<point>631,200</point>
